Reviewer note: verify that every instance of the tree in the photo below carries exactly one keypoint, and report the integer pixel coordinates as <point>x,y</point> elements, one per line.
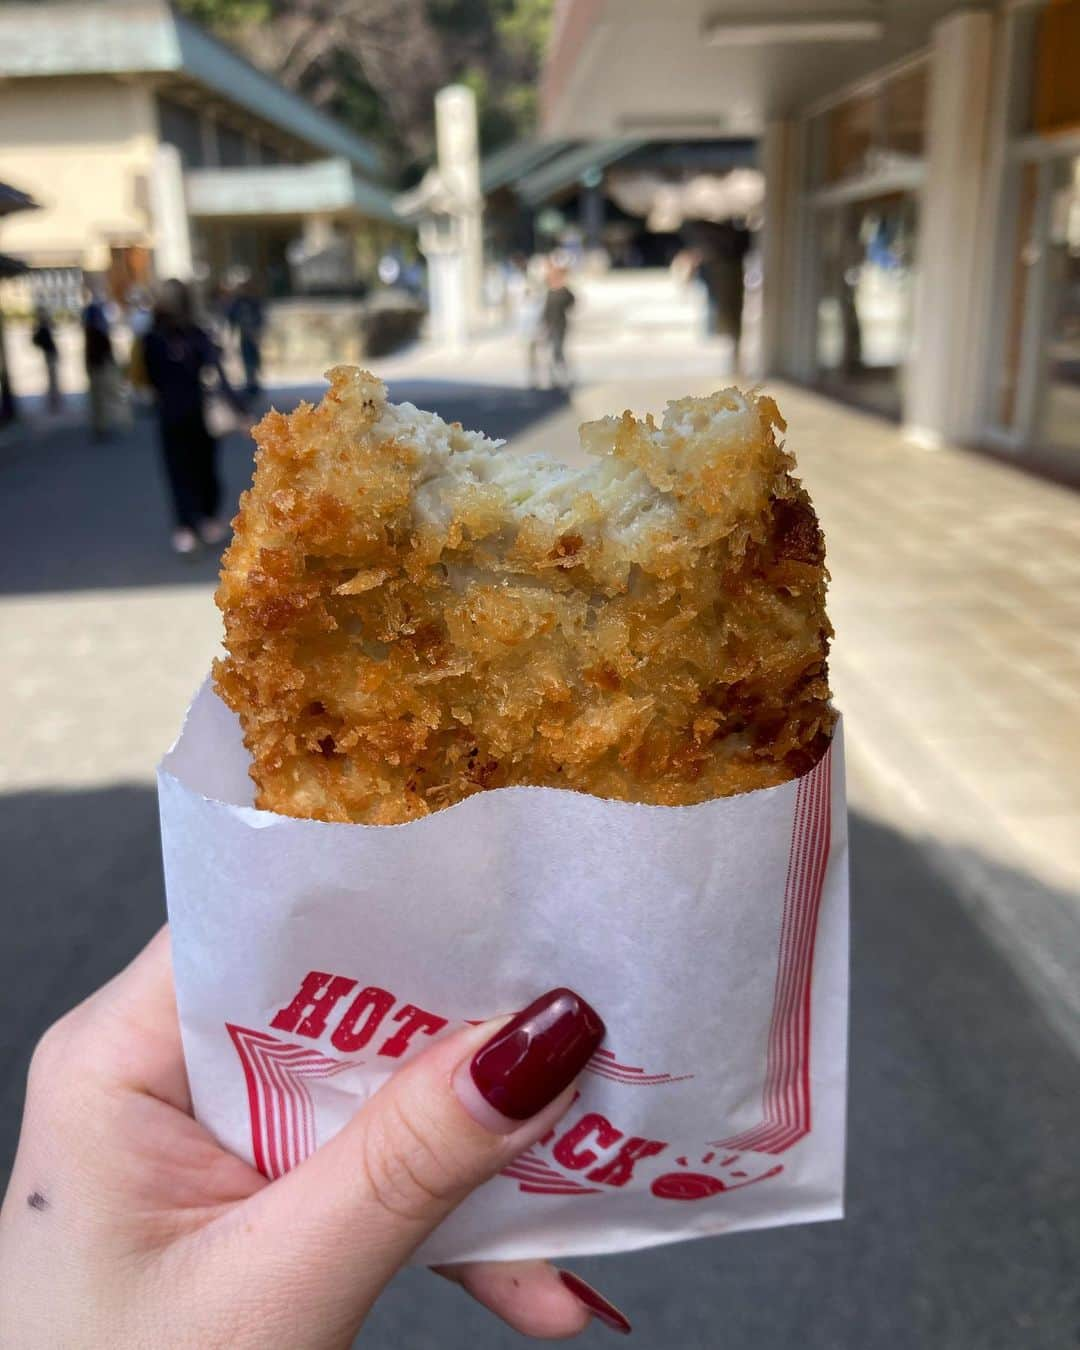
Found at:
<point>377,64</point>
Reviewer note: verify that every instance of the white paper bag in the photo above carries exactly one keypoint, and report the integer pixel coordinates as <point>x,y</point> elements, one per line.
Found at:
<point>312,960</point>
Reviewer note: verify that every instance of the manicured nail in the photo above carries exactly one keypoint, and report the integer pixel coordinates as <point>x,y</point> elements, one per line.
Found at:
<point>530,1060</point>
<point>596,1303</point>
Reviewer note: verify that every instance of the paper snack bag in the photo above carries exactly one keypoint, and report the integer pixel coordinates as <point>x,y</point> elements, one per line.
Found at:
<point>312,960</point>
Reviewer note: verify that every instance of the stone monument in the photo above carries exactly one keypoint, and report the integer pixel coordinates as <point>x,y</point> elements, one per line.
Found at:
<point>448,208</point>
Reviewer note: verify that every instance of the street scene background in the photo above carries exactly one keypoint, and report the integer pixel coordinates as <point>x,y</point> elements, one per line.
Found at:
<point>955,596</point>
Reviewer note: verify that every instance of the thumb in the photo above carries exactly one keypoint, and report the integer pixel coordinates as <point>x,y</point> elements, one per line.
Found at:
<point>335,1229</point>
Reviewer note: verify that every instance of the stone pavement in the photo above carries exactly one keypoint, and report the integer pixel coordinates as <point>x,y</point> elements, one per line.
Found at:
<point>955,598</point>
<point>618,317</point>
<point>104,634</point>
<point>956,602</point>
<point>963,1225</point>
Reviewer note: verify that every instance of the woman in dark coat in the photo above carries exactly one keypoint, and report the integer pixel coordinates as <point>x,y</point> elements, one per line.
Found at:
<point>45,341</point>
<point>178,353</point>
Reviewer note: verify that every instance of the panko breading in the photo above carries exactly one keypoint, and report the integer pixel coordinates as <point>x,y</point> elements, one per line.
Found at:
<point>413,614</point>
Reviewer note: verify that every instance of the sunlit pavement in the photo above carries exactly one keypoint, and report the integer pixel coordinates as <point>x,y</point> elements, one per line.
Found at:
<point>956,602</point>
<point>956,597</point>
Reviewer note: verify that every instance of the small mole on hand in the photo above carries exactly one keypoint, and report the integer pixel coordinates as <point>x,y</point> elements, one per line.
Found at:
<point>37,1201</point>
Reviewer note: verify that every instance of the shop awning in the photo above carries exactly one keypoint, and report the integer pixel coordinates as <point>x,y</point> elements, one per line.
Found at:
<point>12,200</point>
<point>571,166</point>
<point>508,166</point>
<point>328,186</point>
<point>716,68</point>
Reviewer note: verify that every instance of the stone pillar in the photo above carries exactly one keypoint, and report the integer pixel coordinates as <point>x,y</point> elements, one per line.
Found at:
<point>446,295</point>
<point>168,210</point>
<point>317,232</point>
<point>459,171</point>
<point>941,376</point>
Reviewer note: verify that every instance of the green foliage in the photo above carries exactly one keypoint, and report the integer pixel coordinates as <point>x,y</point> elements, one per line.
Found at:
<point>225,15</point>
<point>501,43</point>
<point>524,26</point>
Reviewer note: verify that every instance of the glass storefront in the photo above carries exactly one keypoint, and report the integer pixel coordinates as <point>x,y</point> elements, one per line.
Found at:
<point>1035,402</point>
<point>866,257</point>
<point>865,170</point>
<point>874,129</point>
<point>1002,366</point>
<point>1059,423</point>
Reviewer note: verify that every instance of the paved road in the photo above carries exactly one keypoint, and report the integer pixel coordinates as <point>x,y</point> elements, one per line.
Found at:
<point>964,1197</point>
<point>77,516</point>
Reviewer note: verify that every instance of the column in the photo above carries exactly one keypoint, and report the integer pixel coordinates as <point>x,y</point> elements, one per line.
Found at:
<point>940,401</point>
<point>168,210</point>
<point>317,232</point>
<point>459,171</point>
<point>777,276</point>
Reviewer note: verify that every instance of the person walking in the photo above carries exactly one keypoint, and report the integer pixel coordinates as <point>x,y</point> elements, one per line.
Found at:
<point>555,321</point>
<point>100,363</point>
<point>140,319</point>
<point>177,352</point>
<point>721,272</point>
<point>245,313</point>
<point>44,340</point>
<point>525,290</point>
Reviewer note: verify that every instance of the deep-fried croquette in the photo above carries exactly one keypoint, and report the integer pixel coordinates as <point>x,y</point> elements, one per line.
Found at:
<point>413,614</point>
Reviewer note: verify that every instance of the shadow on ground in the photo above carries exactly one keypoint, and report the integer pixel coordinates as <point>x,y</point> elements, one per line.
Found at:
<point>75,515</point>
<point>963,1228</point>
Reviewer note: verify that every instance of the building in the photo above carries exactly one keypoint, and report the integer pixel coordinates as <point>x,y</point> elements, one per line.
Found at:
<point>154,149</point>
<point>11,200</point>
<point>922,214</point>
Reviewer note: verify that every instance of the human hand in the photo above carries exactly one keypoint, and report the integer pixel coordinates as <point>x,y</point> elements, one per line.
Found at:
<point>126,1225</point>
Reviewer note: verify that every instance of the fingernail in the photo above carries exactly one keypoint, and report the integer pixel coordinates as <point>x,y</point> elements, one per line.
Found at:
<point>596,1303</point>
<point>530,1060</point>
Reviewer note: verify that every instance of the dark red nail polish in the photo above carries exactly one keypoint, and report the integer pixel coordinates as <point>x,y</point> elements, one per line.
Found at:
<point>529,1061</point>
<point>596,1303</point>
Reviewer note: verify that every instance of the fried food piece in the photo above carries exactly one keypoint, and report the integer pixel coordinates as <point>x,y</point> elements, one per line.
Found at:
<point>413,614</point>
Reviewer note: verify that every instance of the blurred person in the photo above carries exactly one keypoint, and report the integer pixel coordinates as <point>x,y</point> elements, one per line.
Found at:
<point>494,288</point>
<point>100,361</point>
<point>217,298</point>
<point>140,319</point>
<point>525,303</point>
<point>721,250</point>
<point>246,315</point>
<point>44,339</point>
<point>8,409</point>
<point>571,249</point>
<point>853,259</point>
<point>127,1224</point>
<point>389,269</point>
<point>178,353</point>
<point>530,315</point>
<point>555,322</point>
<point>413,278</point>
<point>140,315</point>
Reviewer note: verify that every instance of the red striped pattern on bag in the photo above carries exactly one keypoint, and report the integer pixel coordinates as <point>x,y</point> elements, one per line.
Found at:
<point>536,1177</point>
<point>605,1065</point>
<point>786,1116</point>
<point>282,1112</point>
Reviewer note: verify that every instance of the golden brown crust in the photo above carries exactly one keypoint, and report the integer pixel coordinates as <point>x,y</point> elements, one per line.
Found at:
<point>654,630</point>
